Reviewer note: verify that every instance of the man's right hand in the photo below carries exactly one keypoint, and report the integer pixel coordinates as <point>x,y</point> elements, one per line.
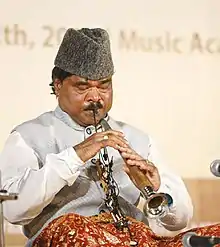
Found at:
<point>92,145</point>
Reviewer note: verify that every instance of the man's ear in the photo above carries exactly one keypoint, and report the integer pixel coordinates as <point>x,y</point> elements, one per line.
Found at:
<point>57,86</point>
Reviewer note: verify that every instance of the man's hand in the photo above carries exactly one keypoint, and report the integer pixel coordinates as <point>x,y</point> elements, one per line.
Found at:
<point>131,158</point>
<point>92,145</point>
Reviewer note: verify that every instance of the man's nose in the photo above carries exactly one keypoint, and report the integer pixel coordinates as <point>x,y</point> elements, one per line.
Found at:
<point>93,95</point>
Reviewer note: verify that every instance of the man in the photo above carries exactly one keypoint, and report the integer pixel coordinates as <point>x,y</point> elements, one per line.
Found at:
<point>51,160</point>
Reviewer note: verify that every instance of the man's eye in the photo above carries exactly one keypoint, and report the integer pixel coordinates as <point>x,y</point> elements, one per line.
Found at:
<point>105,85</point>
<point>82,87</point>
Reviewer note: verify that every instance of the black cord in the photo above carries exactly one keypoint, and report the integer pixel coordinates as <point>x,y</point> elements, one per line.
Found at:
<point>113,189</point>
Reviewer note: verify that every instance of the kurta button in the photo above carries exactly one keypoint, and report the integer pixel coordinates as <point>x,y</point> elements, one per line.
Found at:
<point>88,131</point>
<point>93,161</point>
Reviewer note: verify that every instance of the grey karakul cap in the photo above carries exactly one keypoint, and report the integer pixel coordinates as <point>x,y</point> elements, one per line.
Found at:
<point>86,53</point>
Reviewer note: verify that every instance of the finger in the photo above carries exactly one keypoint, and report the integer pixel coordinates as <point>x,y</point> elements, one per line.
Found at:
<point>113,132</point>
<point>113,137</point>
<point>114,141</point>
<point>116,144</point>
<point>128,153</point>
<point>131,162</point>
<point>149,168</point>
<point>131,156</point>
<point>104,136</point>
<point>99,137</point>
<point>142,164</point>
<point>128,150</point>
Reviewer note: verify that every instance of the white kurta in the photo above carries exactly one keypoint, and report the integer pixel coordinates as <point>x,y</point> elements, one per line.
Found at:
<point>21,174</point>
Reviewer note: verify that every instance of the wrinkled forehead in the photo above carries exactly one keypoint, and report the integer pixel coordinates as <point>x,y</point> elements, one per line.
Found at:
<point>82,80</point>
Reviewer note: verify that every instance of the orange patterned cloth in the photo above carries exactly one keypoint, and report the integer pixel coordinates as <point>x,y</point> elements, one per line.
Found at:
<point>97,231</point>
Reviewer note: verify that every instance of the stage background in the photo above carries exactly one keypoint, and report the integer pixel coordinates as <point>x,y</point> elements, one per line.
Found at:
<point>166,56</point>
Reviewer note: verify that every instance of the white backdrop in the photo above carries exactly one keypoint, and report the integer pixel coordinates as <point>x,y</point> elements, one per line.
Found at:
<point>166,56</point>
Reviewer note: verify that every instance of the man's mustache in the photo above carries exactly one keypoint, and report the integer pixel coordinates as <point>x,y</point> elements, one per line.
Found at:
<point>94,106</point>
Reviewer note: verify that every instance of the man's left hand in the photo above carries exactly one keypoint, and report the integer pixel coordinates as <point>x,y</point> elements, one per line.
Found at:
<point>131,158</point>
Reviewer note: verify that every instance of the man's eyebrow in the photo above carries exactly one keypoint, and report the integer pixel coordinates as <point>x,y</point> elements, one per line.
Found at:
<point>81,82</point>
<point>109,79</point>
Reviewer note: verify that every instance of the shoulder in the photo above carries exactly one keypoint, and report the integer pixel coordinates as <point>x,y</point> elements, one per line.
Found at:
<point>45,119</point>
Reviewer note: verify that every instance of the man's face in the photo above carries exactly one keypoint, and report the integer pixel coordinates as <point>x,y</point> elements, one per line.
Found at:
<point>75,94</point>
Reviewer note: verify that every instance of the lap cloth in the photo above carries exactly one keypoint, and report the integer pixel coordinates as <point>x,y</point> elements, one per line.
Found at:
<point>94,231</point>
